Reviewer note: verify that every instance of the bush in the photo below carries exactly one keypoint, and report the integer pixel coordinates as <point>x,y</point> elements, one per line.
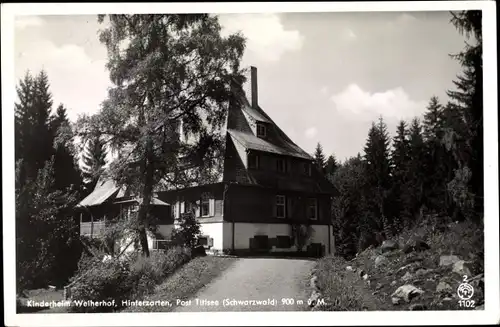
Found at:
<point>188,231</point>
<point>147,272</point>
<point>126,279</point>
<point>98,281</point>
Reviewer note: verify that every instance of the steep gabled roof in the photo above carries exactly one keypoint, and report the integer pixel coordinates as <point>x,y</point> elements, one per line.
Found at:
<point>252,142</point>
<point>280,144</point>
<point>102,192</point>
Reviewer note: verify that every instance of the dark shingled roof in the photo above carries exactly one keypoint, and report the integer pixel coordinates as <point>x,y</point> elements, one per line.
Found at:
<point>252,142</point>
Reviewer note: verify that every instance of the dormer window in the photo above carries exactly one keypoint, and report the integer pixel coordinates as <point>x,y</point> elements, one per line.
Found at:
<point>261,130</point>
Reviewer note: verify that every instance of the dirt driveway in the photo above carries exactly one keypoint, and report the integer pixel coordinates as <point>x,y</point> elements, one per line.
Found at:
<point>256,284</point>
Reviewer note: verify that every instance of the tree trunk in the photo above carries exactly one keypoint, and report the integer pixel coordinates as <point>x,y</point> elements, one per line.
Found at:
<point>147,192</point>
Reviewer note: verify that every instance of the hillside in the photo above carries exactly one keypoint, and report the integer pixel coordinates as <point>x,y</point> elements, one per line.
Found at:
<point>419,270</point>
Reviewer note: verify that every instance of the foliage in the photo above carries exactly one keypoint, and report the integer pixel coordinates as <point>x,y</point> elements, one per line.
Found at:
<point>121,279</point>
<point>94,160</point>
<point>188,231</point>
<point>319,157</point>
<point>47,188</point>
<point>101,281</point>
<point>378,172</point>
<point>301,234</point>
<point>331,166</point>
<point>172,77</point>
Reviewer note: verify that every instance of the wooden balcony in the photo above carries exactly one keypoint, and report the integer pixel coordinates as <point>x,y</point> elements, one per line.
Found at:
<point>92,229</point>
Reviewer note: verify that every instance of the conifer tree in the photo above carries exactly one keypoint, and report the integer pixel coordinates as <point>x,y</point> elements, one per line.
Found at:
<point>378,176</point>
<point>400,188</point>
<point>94,160</point>
<point>331,165</point>
<point>467,101</point>
<point>319,158</point>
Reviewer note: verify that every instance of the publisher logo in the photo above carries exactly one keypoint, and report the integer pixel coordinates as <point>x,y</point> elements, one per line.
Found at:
<point>465,291</point>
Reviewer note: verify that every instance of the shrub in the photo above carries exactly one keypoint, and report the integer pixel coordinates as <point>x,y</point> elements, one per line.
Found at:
<point>98,281</point>
<point>146,272</point>
<point>188,231</point>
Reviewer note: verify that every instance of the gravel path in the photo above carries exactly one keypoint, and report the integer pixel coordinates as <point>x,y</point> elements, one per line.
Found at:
<point>247,285</point>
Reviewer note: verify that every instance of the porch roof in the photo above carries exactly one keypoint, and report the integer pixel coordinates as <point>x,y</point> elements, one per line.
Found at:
<point>101,193</point>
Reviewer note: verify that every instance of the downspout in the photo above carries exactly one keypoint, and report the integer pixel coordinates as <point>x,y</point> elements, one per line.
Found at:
<point>227,207</point>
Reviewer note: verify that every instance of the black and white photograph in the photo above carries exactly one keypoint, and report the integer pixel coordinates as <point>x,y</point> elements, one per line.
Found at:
<point>305,162</point>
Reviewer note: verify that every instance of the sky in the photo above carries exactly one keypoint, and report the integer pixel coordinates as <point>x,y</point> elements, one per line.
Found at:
<point>322,77</point>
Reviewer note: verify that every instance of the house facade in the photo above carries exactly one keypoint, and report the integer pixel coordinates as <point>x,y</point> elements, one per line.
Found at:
<point>270,197</point>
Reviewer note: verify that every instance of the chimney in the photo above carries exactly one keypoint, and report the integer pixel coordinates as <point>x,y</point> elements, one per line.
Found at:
<point>254,91</point>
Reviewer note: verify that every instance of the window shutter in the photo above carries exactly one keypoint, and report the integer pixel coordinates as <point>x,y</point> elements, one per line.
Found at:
<point>183,205</point>
<point>198,208</point>
<point>211,207</point>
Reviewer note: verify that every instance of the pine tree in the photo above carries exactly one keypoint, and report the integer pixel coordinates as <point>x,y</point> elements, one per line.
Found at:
<point>416,175</point>
<point>319,158</point>
<point>378,177</point>
<point>33,139</point>
<point>67,173</point>
<point>331,165</point>
<point>435,182</point>
<point>400,188</point>
<point>42,141</point>
<point>94,160</point>
<point>467,101</point>
<point>175,67</point>
<point>348,206</point>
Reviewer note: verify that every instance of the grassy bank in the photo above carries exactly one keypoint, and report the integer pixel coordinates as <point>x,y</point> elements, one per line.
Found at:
<point>186,282</point>
<point>369,281</point>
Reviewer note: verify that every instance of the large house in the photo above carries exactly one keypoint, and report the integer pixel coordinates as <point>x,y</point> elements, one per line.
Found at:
<point>270,197</point>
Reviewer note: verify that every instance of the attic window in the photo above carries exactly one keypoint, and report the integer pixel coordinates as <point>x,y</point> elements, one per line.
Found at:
<point>261,130</point>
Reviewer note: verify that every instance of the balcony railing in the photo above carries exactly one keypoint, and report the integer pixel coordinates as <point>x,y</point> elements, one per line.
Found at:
<point>162,244</point>
<point>93,229</point>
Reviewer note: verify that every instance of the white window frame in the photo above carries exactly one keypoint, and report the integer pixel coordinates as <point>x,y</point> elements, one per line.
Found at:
<point>310,203</point>
<point>207,202</point>
<point>280,202</point>
<point>261,127</point>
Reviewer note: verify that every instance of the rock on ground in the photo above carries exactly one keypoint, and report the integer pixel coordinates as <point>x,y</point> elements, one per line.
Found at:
<point>461,267</point>
<point>448,260</point>
<point>380,260</point>
<point>444,287</point>
<point>389,245</point>
<point>407,292</point>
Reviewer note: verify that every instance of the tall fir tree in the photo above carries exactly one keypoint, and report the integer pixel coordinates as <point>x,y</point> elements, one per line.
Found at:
<point>378,177</point>
<point>319,158</point>
<point>94,160</point>
<point>434,166</point>
<point>66,170</point>
<point>331,165</point>
<point>400,188</point>
<point>467,101</point>
<point>416,175</point>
